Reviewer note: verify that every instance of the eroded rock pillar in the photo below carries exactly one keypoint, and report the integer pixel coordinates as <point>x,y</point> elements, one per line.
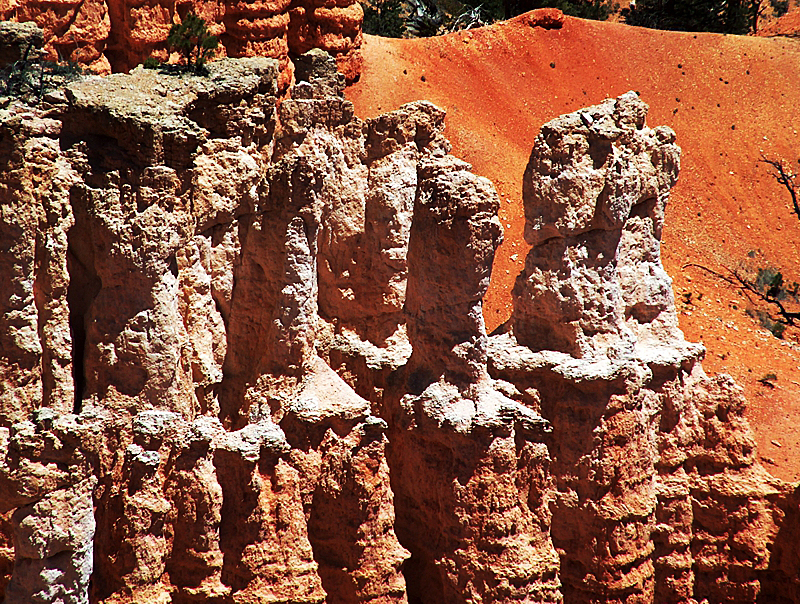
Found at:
<point>469,472</point>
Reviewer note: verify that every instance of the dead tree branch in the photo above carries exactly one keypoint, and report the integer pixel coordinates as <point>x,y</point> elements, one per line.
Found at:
<point>783,174</point>
<point>773,294</point>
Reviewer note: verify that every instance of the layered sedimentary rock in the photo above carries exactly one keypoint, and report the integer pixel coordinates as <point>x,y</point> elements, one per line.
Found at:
<point>74,30</point>
<point>244,360</point>
<point>118,35</point>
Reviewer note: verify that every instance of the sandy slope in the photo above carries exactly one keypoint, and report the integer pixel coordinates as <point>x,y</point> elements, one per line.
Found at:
<point>787,25</point>
<point>729,98</point>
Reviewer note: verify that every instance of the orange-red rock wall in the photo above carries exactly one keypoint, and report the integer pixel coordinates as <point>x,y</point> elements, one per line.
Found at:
<point>116,35</point>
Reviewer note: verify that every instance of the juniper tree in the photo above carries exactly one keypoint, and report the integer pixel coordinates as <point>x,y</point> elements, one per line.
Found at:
<point>192,39</point>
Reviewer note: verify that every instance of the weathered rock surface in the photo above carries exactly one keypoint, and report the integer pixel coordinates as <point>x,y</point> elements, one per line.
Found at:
<point>160,365</point>
<point>244,360</point>
<point>19,41</point>
<point>595,191</point>
<point>118,35</point>
<point>658,496</point>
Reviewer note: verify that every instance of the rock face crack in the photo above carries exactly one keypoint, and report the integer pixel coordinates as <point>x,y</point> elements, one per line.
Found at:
<point>84,285</point>
<point>244,359</point>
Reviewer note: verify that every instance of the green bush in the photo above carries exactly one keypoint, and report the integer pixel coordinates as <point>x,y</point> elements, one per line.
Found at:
<point>30,78</point>
<point>779,7</point>
<point>598,10</point>
<point>770,287</point>
<point>383,18</point>
<point>776,328</point>
<point>192,39</point>
<point>720,16</point>
<point>425,19</point>
<point>768,378</point>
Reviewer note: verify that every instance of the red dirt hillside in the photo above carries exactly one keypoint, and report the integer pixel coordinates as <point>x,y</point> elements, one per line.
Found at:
<point>787,25</point>
<point>729,98</point>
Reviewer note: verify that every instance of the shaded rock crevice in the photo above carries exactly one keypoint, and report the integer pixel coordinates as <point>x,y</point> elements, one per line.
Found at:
<point>84,285</point>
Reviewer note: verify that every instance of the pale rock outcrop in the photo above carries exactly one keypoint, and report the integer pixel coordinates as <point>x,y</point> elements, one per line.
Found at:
<point>243,359</point>
<point>19,42</point>
<point>34,219</point>
<point>595,191</point>
<point>47,476</point>
<point>139,217</point>
<point>469,466</point>
<point>658,496</point>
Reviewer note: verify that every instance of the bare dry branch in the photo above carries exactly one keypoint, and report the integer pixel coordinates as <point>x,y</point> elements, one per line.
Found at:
<point>749,287</point>
<point>784,175</point>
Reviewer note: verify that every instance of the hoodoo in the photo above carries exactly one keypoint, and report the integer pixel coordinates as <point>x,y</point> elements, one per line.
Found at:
<point>244,360</point>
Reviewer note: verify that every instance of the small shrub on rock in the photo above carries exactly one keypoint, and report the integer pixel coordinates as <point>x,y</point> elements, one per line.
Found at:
<point>384,18</point>
<point>30,77</point>
<point>192,39</point>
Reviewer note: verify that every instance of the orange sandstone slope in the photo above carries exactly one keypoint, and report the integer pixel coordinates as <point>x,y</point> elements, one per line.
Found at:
<point>786,25</point>
<point>729,98</point>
